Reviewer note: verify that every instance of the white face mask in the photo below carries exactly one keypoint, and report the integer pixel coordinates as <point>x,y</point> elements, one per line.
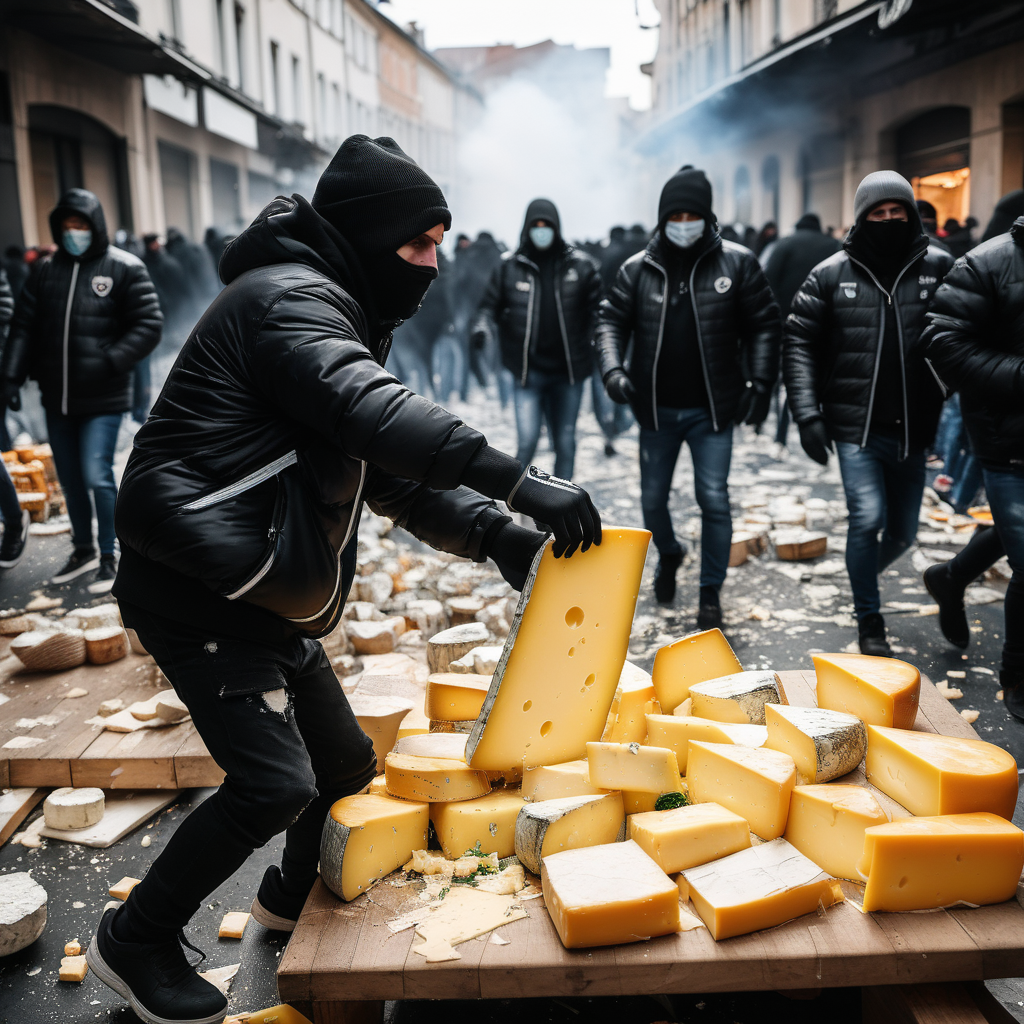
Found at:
<point>76,240</point>
<point>542,238</point>
<point>684,233</point>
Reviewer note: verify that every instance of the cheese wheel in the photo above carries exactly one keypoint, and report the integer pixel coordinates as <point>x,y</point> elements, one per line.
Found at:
<point>105,644</point>
<point>451,644</point>
<point>824,744</point>
<point>22,911</point>
<point>739,698</point>
<point>69,808</point>
<point>879,691</point>
<point>433,779</point>
<point>47,651</point>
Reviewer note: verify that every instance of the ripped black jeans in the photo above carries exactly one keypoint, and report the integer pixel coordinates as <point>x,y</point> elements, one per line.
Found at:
<point>275,718</point>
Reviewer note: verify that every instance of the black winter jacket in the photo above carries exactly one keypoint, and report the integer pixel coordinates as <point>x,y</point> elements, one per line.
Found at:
<point>6,304</point>
<point>975,341</point>
<point>737,325</point>
<point>82,322</point>
<point>793,258</point>
<point>277,421</point>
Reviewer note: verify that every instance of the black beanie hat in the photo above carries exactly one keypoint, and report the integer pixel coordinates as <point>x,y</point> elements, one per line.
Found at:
<point>687,190</point>
<point>378,197</point>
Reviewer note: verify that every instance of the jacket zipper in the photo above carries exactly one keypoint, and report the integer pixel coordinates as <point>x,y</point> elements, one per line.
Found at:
<point>661,335</point>
<point>243,485</point>
<point>700,342</point>
<point>67,331</point>
<point>565,335</point>
<point>529,322</point>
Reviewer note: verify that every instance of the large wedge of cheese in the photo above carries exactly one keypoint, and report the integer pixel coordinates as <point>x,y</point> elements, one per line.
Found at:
<point>634,700</point>
<point>570,823</point>
<point>489,820</point>
<point>758,888</point>
<point>693,659</point>
<point>826,824</point>
<point>824,744</point>
<point>367,837</point>
<point>755,783</point>
<point>923,863</point>
<point>551,781</point>
<point>633,767</point>
<point>687,836</point>
<point>879,691</point>
<point>433,779</point>
<point>606,895</point>
<point>554,684</point>
<point>931,774</point>
<point>675,732</point>
<point>738,698</point>
<point>455,697</point>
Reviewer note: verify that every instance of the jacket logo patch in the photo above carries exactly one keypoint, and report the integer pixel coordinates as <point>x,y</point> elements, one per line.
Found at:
<point>924,293</point>
<point>102,285</point>
<point>926,279</point>
<point>850,289</point>
<point>723,284</point>
<point>522,286</point>
<point>571,275</point>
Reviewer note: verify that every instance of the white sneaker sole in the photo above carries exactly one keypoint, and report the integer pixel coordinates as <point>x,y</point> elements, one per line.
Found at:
<point>93,563</point>
<point>264,917</point>
<point>26,520</point>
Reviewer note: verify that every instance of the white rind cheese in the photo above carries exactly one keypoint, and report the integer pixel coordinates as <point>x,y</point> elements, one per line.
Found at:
<point>824,744</point>
<point>738,698</point>
<point>551,826</point>
<point>68,808</point>
<point>22,911</point>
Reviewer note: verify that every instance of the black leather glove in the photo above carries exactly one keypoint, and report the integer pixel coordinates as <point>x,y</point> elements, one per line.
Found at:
<point>566,507</point>
<point>754,404</point>
<point>513,550</point>
<point>619,387</point>
<point>478,339</point>
<point>10,395</point>
<point>815,441</point>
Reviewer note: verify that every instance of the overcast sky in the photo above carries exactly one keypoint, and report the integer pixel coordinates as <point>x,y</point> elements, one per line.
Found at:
<point>585,23</point>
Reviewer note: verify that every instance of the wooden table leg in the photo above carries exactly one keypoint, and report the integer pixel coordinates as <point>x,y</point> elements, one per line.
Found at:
<point>361,1012</point>
<point>920,1004</point>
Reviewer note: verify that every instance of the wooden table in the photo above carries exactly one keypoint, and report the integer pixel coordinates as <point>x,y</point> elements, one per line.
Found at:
<point>342,961</point>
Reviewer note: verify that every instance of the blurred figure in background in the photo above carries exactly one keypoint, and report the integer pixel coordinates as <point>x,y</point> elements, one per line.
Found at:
<point>16,268</point>
<point>171,286</point>
<point>200,274</point>
<point>930,224</point>
<point>215,241</point>
<point>1007,210</point>
<point>16,520</point>
<point>475,262</point>
<point>958,236</point>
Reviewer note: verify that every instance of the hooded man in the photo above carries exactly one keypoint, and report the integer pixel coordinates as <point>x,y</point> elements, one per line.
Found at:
<point>705,334</point>
<point>930,223</point>
<point>84,318</point>
<point>237,519</point>
<point>853,377</point>
<point>543,299</point>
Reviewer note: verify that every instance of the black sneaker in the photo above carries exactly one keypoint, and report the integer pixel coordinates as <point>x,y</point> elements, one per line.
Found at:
<point>1013,692</point>
<point>105,577</point>
<point>665,577</point>
<point>950,599</point>
<point>161,986</point>
<point>709,609</point>
<point>871,630</point>
<point>13,545</point>
<point>273,907</point>
<point>82,560</point>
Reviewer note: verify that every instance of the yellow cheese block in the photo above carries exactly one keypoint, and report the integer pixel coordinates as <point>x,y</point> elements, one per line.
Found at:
<point>755,783</point>
<point>826,824</point>
<point>367,837</point>
<point>433,779</point>
<point>633,767</point>
<point>687,836</point>
<point>551,781</point>
<point>879,691</point>
<point>455,697</point>
<point>684,886</point>
<point>691,660</point>
<point>931,774</point>
<point>923,863</point>
<point>282,1014</point>
<point>555,682</point>
<point>489,820</point>
<point>639,803</point>
<point>634,700</point>
<point>758,888</point>
<point>740,697</point>
<point>567,824</point>
<point>606,895</point>
<point>675,732</point>
<point>824,744</point>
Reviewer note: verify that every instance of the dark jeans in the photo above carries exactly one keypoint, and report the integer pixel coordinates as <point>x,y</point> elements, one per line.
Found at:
<point>551,396</point>
<point>711,453</point>
<point>1005,490</point>
<point>275,718</point>
<point>612,418</point>
<point>10,508</point>
<point>83,455</point>
<point>883,496</point>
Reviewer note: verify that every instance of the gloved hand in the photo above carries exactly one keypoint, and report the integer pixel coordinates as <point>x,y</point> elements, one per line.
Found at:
<point>478,339</point>
<point>566,507</point>
<point>814,440</point>
<point>619,387</point>
<point>10,395</point>
<point>754,404</point>
<point>513,551</point>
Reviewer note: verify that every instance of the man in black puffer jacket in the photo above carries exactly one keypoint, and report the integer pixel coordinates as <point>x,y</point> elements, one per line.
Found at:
<point>543,300</point>
<point>705,332</point>
<point>84,318</point>
<point>237,519</point>
<point>975,341</point>
<point>853,377</point>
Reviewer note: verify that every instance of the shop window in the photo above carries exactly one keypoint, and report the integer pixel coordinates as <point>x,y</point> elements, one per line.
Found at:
<point>934,152</point>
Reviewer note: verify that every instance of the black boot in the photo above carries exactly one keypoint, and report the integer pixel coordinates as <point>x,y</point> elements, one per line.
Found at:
<point>872,636</point>
<point>949,596</point>
<point>665,577</point>
<point>709,609</point>
<point>273,907</point>
<point>1012,682</point>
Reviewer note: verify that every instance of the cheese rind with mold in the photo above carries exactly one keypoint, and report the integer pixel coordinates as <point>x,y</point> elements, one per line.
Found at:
<point>739,698</point>
<point>824,744</point>
<point>552,826</point>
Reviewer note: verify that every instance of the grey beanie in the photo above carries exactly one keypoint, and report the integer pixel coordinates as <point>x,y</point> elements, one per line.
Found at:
<point>883,186</point>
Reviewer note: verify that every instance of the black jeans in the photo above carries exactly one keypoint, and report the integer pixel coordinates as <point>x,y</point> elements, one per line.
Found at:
<point>275,718</point>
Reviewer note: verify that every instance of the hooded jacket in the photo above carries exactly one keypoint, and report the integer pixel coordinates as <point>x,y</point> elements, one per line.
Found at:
<point>794,257</point>
<point>975,341</point>
<point>511,300</point>
<point>82,322</point>
<point>276,423</point>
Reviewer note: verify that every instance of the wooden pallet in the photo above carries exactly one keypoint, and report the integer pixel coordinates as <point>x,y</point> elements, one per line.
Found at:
<point>342,961</point>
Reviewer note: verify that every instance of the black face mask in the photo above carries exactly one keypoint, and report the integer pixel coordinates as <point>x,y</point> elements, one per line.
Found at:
<point>886,242</point>
<point>398,286</point>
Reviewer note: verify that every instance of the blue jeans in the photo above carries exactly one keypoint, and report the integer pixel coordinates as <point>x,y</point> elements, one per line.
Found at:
<point>711,453</point>
<point>552,396</point>
<point>1005,490</point>
<point>83,455</point>
<point>612,418</point>
<point>883,496</point>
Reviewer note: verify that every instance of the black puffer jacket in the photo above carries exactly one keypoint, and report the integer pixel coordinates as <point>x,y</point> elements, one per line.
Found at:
<point>83,322</point>
<point>737,325</point>
<point>975,341</point>
<point>277,422</point>
<point>6,304</point>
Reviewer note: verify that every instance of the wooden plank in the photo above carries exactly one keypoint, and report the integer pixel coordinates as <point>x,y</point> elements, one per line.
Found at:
<point>131,760</point>
<point>14,808</point>
<point>997,932</point>
<point>348,1013</point>
<point>919,1004</point>
<point>193,765</point>
<point>930,947</point>
<point>122,813</point>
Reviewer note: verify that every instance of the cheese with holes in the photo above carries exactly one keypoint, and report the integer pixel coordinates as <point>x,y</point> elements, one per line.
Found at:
<point>633,767</point>
<point>758,888</point>
<point>489,820</point>
<point>570,823</point>
<point>924,863</point>
<point>693,659</point>
<point>433,779</point>
<point>687,836</point>
<point>755,783</point>
<point>551,781</point>
<point>826,824</point>
<point>564,654</point>
<point>824,744</point>
<point>455,697</point>
<point>879,691</point>
<point>606,895</point>
<point>634,700</point>
<point>738,698</point>
<point>675,732</point>
<point>931,774</point>
<point>367,837</point>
